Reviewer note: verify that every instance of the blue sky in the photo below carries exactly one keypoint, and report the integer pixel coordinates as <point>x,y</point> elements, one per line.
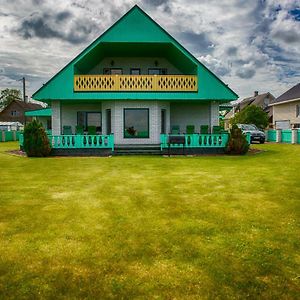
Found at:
<point>250,45</point>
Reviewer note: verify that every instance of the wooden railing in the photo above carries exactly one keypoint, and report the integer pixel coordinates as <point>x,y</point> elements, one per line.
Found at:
<point>197,140</point>
<point>136,83</point>
<point>78,141</point>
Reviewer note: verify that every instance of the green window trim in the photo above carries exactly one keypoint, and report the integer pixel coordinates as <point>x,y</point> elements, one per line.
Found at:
<point>143,134</point>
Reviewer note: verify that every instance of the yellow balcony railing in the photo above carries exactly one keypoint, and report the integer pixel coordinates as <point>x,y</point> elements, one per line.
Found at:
<point>135,83</point>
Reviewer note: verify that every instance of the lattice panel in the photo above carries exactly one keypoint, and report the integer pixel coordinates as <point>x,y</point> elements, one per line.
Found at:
<point>162,83</point>
<point>177,83</point>
<point>136,83</point>
<point>94,83</point>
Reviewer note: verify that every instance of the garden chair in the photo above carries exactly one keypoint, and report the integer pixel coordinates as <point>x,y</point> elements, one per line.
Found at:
<point>92,130</point>
<point>67,130</point>
<point>217,129</point>
<point>204,129</point>
<point>190,129</point>
<point>175,129</point>
<point>79,129</point>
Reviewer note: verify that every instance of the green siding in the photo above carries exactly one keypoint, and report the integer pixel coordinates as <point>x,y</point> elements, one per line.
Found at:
<point>131,28</point>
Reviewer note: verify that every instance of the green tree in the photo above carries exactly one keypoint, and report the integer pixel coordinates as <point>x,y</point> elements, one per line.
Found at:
<point>251,115</point>
<point>237,143</point>
<point>8,95</point>
<point>36,142</point>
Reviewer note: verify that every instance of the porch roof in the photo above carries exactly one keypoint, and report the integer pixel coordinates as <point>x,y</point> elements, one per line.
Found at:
<point>46,112</point>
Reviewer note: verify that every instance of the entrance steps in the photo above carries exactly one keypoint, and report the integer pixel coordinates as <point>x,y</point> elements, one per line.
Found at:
<point>137,150</point>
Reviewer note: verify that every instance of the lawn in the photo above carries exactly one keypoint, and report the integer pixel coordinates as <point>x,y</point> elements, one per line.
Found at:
<point>207,227</point>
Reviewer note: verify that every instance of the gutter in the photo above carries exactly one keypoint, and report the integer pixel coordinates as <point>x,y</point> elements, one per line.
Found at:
<point>285,101</point>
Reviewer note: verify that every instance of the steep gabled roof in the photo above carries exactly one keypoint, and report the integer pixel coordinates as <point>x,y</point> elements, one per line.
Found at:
<point>291,94</point>
<point>134,27</point>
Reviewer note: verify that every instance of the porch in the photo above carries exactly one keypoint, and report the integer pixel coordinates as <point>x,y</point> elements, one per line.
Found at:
<point>103,145</point>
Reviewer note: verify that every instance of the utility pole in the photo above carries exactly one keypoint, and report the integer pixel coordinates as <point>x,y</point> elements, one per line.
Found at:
<point>24,89</point>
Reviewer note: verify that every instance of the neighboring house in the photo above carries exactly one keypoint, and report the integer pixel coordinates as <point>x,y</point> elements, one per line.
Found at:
<point>15,111</point>
<point>261,100</point>
<point>132,86</point>
<point>286,109</point>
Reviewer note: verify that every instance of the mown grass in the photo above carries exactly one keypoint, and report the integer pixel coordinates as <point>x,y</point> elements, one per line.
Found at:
<point>205,227</point>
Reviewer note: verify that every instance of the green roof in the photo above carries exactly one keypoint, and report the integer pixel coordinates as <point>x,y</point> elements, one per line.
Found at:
<point>46,112</point>
<point>135,30</point>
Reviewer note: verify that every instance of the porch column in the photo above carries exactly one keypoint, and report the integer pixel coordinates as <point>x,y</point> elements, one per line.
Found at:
<point>56,117</point>
<point>214,113</point>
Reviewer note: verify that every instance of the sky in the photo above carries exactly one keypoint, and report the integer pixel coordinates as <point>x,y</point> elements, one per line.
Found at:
<point>250,45</point>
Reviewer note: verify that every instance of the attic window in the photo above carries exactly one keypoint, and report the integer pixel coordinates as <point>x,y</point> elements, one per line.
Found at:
<point>14,113</point>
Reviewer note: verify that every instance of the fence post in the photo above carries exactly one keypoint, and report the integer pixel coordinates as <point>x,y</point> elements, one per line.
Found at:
<point>14,135</point>
<point>294,136</point>
<point>278,135</point>
<point>3,136</point>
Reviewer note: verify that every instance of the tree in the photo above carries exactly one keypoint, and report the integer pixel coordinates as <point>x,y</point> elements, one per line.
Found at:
<point>252,115</point>
<point>36,142</point>
<point>237,143</point>
<point>8,95</point>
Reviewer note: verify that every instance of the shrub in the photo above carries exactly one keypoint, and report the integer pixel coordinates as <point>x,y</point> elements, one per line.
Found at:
<point>251,115</point>
<point>237,143</point>
<point>36,142</point>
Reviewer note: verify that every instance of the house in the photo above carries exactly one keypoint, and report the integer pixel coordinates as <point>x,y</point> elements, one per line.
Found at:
<point>260,100</point>
<point>15,111</point>
<point>131,88</point>
<point>286,109</point>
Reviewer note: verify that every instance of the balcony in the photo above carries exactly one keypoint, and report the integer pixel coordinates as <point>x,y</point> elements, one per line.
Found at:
<point>135,83</point>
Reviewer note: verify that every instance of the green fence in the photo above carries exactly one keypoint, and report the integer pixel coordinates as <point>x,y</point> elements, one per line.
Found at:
<point>197,140</point>
<point>78,141</point>
<point>298,136</point>
<point>8,136</point>
<point>271,136</point>
<point>286,136</point>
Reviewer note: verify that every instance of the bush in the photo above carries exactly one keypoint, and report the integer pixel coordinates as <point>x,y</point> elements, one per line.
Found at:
<point>251,115</point>
<point>36,142</point>
<point>237,143</point>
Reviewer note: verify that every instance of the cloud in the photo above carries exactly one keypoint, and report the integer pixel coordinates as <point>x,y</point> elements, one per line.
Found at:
<point>245,72</point>
<point>197,42</point>
<point>49,25</point>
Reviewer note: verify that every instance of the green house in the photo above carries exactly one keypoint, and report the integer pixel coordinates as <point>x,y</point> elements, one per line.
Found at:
<point>135,86</point>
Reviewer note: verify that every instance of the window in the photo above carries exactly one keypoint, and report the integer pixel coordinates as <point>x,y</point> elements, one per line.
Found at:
<point>14,113</point>
<point>298,110</point>
<point>157,71</point>
<point>112,71</point>
<point>86,119</point>
<point>136,123</point>
<point>135,71</point>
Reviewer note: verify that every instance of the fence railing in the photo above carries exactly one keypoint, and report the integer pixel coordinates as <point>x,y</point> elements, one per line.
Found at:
<point>159,83</point>
<point>289,136</point>
<point>78,141</point>
<point>197,140</point>
<point>9,136</point>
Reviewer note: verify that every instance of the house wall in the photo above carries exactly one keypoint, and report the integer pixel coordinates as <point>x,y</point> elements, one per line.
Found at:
<point>286,112</point>
<point>154,107</point>
<point>6,114</point>
<point>184,114</point>
<point>132,62</point>
<point>69,112</point>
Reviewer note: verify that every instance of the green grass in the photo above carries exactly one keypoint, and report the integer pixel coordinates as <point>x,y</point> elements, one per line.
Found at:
<point>207,227</point>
